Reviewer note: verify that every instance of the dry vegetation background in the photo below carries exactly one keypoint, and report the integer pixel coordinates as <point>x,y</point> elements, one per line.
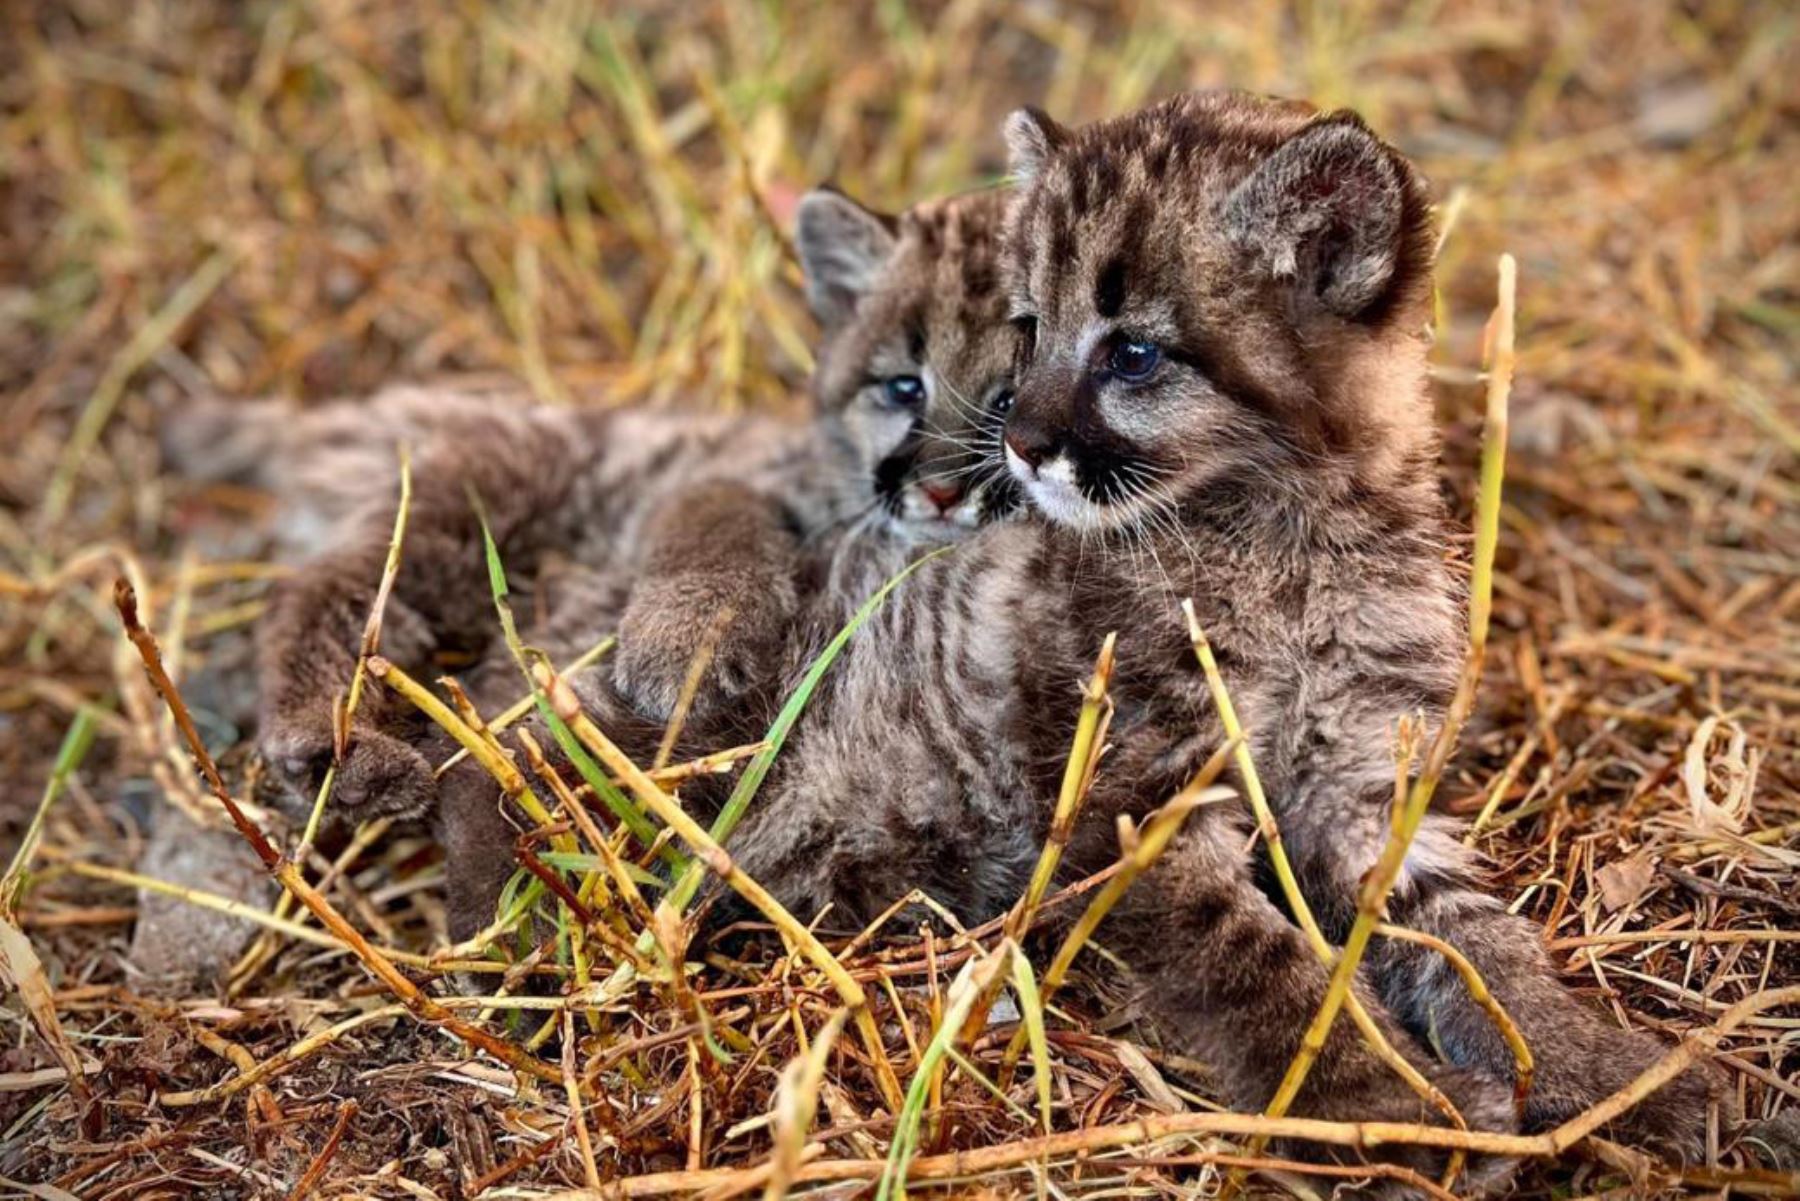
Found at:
<point>312,199</point>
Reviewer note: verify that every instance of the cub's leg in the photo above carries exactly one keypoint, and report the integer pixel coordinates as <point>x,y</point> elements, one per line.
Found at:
<point>1231,980</point>
<point>719,562</point>
<point>307,644</point>
<point>1333,789</point>
<point>1580,1057</point>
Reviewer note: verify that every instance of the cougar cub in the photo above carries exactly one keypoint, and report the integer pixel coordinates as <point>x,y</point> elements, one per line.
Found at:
<point>655,525</point>
<point>1223,398</point>
<point>1227,299</point>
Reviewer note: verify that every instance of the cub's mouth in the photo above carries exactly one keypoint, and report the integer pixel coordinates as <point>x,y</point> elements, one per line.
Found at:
<point>945,506</point>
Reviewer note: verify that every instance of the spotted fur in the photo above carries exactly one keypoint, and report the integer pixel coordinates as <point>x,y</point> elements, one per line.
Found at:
<point>932,309</point>
<point>1281,455</point>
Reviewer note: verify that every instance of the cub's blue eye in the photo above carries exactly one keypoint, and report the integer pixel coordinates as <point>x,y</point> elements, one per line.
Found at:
<point>1003,402</point>
<point>1133,360</point>
<point>904,391</point>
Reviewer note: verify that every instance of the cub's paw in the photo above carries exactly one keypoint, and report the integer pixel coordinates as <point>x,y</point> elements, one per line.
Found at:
<point>1351,1084</point>
<point>381,776</point>
<point>670,622</point>
<point>1588,1060</point>
<point>1672,1120</point>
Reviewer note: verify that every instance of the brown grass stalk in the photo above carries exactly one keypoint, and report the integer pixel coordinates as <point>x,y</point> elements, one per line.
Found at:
<point>315,1171</point>
<point>284,1060</point>
<point>572,1089</point>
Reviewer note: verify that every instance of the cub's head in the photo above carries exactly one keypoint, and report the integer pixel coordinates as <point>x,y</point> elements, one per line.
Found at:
<point>1216,290</point>
<point>915,365</point>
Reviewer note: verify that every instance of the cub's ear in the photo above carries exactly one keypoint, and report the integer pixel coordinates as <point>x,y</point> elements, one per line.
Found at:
<point>1339,214</point>
<point>1031,138</point>
<point>843,246</point>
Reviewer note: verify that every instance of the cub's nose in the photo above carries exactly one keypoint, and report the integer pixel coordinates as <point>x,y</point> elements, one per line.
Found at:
<point>1032,433</point>
<point>942,495</point>
<point>1030,443</point>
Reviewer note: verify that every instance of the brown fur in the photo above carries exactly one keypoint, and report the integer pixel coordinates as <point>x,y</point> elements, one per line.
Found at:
<point>1278,468</point>
<point>1280,260</point>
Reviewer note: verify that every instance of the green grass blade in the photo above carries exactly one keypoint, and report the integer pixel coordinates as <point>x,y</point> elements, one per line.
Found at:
<point>973,1071</point>
<point>1031,1013</point>
<point>970,984</point>
<point>621,806</point>
<point>758,768</point>
<point>75,745</point>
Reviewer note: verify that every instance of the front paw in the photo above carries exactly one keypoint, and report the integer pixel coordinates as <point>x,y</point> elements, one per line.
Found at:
<point>380,776</point>
<point>1350,1083</point>
<point>1588,1060</point>
<point>671,624</point>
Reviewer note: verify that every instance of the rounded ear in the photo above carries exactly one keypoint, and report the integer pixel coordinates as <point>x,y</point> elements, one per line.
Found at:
<point>1340,215</point>
<point>1031,138</point>
<point>843,247</point>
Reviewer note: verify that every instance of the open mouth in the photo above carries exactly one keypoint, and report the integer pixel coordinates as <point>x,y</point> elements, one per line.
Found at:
<point>939,512</point>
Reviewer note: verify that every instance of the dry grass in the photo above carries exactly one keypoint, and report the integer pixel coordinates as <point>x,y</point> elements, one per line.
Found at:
<point>313,199</point>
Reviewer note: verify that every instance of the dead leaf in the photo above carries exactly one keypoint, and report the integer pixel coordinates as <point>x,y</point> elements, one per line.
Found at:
<point>21,969</point>
<point>1624,881</point>
<point>1736,774</point>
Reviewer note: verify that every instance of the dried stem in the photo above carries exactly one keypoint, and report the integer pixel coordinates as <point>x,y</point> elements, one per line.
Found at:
<point>283,1060</point>
<point>1141,847</point>
<point>519,708</point>
<point>484,751</point>
<point>796,1100</point>
<point>1284,871</point>
<point>315,1170</point>
<point>1077,779</point>
<point>572,1088</point>
<point>371,642</point>
<point>1523,1065</point>
<point>290,877</point>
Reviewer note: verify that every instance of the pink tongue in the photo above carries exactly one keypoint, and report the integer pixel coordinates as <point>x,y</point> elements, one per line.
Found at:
<point>943,498</point>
